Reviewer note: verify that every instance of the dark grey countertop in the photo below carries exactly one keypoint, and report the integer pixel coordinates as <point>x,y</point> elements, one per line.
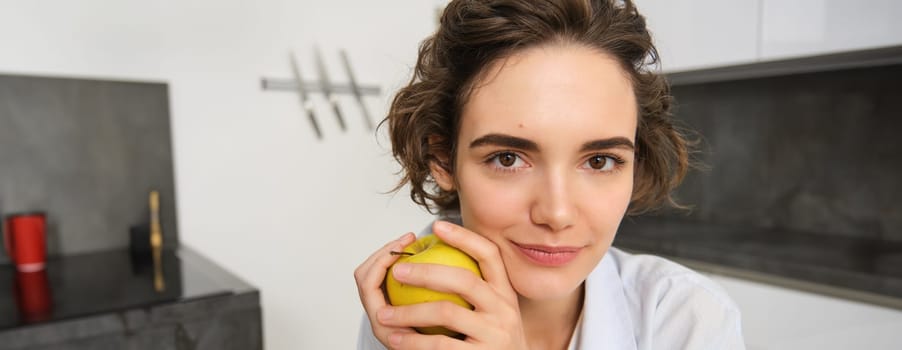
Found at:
<point>859,269</point>
<point>110,281</point>
<point>107,299</point>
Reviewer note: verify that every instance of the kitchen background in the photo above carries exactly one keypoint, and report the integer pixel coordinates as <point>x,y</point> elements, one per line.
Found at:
<point>259,195</point>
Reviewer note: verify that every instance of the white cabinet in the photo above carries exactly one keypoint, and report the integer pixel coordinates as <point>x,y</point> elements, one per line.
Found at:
<point>813,27</point>
<point>698,34</point>
<point>778,318</point>
<point>695,34</point>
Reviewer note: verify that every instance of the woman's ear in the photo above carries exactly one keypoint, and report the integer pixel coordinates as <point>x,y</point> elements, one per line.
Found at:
<point>441,176</point>
<point>439,165</point>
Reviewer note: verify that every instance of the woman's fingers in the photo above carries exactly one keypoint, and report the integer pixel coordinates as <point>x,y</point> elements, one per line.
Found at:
<point>383,255</point>
<point>413,340</point>
<point>478,328</point>
<point>480,248</point>
<point>370,274</point>
<point>440,313</point>
<point>493,312</point>
<point>369,277</point>
<point>449,279</point>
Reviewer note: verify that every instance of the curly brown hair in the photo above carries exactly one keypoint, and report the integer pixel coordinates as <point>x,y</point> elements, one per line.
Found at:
<point>424,116</point>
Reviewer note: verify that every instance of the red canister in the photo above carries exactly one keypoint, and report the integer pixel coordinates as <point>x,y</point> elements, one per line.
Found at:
<point>24,239</point>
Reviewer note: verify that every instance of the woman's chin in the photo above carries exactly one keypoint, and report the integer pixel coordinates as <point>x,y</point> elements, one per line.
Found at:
<point>539,289</point>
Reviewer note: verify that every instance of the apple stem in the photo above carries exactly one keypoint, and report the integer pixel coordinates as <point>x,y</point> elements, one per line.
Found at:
<point>401,253</point>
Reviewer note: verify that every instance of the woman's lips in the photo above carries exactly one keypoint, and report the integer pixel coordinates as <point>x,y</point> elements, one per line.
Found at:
<point>547,255</point>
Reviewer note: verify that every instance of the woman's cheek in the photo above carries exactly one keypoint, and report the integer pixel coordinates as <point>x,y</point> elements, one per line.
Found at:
<point>490,204</point>
<point>616,197</point>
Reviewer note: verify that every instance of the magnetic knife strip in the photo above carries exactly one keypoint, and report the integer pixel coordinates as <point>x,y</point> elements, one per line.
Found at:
<point>325,86</point>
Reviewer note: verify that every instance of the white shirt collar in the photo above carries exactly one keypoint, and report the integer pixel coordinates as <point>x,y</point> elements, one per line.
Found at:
<point>606,321</point>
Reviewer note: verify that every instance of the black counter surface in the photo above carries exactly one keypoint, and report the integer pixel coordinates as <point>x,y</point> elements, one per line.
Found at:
<point>863,265</point>
<point>108,300</point>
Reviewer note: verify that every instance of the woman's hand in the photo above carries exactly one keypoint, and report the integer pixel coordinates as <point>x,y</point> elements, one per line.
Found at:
<point>369,277</point>
<point>493,324</point>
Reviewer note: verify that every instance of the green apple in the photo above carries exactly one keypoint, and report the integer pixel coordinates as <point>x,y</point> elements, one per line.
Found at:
<point>428,249</point>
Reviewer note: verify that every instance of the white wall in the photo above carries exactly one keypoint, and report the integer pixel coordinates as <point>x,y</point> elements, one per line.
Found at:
<point>256,192</point>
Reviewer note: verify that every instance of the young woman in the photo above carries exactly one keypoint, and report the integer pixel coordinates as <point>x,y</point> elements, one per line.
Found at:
<point>534,127</point>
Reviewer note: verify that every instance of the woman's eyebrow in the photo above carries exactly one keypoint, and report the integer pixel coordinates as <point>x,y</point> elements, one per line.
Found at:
<point>603,144</point>
<point>509,141</point>
<point>505,141</point>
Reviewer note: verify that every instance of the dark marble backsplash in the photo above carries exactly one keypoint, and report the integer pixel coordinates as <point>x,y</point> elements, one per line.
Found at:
<point>817,152</point>
<point>87,152</point>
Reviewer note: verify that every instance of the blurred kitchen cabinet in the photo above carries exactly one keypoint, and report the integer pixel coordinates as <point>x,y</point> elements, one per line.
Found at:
<point>699,34</point>
<point>814,27</point>
<point>696,34</point>
<point>775,317</point>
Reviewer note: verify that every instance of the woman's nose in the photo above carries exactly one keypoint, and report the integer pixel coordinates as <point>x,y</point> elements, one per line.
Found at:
<point>553,204</point>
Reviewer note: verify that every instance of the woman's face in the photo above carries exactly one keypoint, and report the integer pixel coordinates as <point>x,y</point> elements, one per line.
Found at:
<point>544,163</point>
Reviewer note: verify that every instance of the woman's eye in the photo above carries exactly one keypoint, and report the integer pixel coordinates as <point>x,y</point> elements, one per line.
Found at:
<point>601,163</point>
<point>507,159</point>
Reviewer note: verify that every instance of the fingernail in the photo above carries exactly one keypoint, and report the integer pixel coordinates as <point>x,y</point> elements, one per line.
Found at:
<point>442,227</point>
<point>402,237</point>
<point>401,270</point>
<point>395,339</point>
<point>385,314</point>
